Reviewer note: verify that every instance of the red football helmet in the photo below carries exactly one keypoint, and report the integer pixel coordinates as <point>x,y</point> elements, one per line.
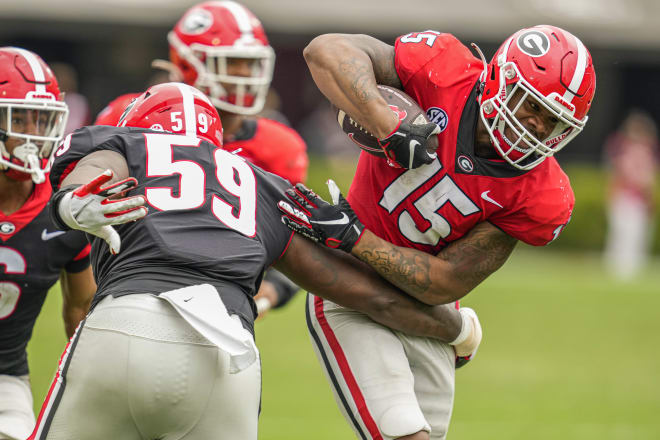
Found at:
<point>32,114</point>
<point>208,37</point>
<point>549,68</point>
<point>112,112</point>
<point>177,108</point>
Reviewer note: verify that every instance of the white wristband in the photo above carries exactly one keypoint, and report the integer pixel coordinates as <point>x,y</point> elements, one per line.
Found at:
<point>263,305</point>
<point>467,327</point>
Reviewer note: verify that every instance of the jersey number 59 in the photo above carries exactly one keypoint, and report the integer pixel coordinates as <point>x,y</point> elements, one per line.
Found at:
<point>192,182</point>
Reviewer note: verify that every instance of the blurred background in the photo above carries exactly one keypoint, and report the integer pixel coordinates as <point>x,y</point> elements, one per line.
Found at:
<point>570,330</point>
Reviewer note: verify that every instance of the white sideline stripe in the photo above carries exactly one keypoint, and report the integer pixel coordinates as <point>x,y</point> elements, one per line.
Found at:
<point>189,119</point>
<point>241,16</point>
<point>37,71</point>
<point>580,69</point>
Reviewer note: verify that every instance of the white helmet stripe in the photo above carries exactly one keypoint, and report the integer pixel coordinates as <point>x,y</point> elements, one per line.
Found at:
<point>241,16</point>
<point>501,59</point>
<point>578,75</point>
<point>189,120</point>
<point>37,71</point>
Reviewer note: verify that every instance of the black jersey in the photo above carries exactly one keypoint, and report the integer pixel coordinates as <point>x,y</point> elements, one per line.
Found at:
<point>32,255</point>
<point>212,218</point>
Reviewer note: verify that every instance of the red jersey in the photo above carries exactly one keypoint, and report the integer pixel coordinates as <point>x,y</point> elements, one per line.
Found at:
<point>431,206</point>
<point>273,147</point>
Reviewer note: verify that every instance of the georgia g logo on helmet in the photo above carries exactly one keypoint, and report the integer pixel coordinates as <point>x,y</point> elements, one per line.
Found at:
<point>533,43</point>
<point>197,22</point>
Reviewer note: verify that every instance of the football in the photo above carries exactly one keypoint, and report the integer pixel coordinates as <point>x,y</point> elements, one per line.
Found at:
<point>399,102</point>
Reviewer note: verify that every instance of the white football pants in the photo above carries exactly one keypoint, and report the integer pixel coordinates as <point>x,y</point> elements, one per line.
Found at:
<point>137,370</point>
<point>16,416</point>
<point>386,384</point>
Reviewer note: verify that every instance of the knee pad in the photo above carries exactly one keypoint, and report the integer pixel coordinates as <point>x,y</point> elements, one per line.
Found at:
<point>400,420</point>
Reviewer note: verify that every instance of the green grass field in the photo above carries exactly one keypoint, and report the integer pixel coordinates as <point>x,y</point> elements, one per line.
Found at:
<point>568,353</point>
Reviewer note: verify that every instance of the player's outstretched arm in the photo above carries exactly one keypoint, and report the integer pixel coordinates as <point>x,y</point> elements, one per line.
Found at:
<point>346,68</point>
<point>440,279</point>
<point>346,281</point>
<point>443,278</point>
<point>78,289</point>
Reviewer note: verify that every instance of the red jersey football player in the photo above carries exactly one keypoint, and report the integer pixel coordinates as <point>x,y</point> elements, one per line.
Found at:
<point>439,229</point>
<point>34,254</point>
<point>220,48</point>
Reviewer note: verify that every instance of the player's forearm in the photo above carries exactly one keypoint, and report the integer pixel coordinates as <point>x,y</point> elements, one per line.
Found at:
<point>77,292</point>
<point>423,276</point>
<point>440,279</point>
<point>72,316</point>
<point>344,73</point>
<point>342,279</point>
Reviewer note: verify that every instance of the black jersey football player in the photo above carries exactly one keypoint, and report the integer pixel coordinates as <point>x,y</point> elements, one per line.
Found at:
<point>168,347</point>
<point>34,254</point>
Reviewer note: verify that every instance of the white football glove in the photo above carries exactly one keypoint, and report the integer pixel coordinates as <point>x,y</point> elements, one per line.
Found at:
<point>93,209</point>
<point>468,340</point>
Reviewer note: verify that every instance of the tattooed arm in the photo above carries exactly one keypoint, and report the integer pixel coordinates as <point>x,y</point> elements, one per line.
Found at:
<point>346,68</point>
<point>342,279</point>
<point>444,278</point>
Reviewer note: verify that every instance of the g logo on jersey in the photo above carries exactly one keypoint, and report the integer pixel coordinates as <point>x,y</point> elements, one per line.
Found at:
<point>533,43</point>
<point>7,228</point>
<point>465,163</point>
<point>439,117</point>
<point>197,22</point>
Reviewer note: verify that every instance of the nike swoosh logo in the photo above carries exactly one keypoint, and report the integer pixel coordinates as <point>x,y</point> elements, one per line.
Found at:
<point>340,221</point>
<point>412,146</point>
<point>484,195</point>
<point>186,300</point>
<point>45,235</point>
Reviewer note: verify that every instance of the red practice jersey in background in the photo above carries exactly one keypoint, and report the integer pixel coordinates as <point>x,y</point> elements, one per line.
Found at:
<point>268,144</point>
<point>273,147</point>
<point>431,206</point>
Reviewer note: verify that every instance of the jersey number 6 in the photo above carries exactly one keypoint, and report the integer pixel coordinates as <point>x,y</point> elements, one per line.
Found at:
<point>13,262</point>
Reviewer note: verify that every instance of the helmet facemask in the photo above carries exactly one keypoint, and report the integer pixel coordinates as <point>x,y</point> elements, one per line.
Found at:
<point>513,141</point>
<point>39,126</point>
<point>210,63</point>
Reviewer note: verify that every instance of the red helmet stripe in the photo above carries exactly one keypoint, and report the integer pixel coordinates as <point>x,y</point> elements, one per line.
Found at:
<point>242,18</point>
<point>37,70</point>
<point>580,69</point>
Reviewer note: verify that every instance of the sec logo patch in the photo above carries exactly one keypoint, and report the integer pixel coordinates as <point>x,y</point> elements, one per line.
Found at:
<point>438,116</point>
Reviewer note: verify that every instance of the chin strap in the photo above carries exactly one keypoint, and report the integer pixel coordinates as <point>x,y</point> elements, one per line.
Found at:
<point>34,167</point>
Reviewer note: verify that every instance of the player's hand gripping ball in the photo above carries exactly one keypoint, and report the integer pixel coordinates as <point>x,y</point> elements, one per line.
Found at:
<point>413,142</point>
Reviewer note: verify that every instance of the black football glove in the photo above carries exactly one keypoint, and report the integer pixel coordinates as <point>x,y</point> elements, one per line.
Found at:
<point>407,145</point>
<point>335,226</point>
